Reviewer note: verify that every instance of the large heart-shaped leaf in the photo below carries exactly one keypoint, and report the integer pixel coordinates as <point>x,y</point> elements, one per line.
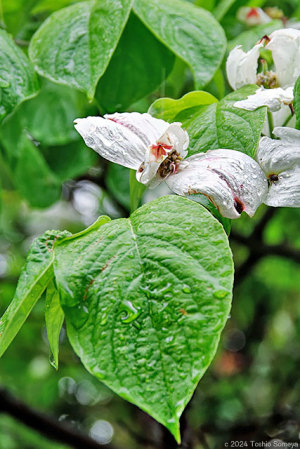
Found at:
<point>190,32</point>
<point>18,80</point>
<point>146,299</point>
<point>138,66</point>
<point>216,125</point>
<point>75,44</point>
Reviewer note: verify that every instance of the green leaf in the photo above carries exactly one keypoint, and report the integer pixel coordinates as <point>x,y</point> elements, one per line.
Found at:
<point>249,38</point>
<point>75,44</point>
<point>50,6</point>
<point>117,182</point>
<point>145,301</point>
<point>138,66</point>
<point>69,161</point>
<point>217,85</point>
<point>136,191</point>
<point>297,102</point>
<point>192,33</point>
<point>36,275</point>
<point>206,4</point>
<point>167,108</point>
<point>33,178</point>
<point>38,171</point>
<point>222,8</point>
<point>202,199</point>
<point>219,125</point>
<point>18,80</point>
<point>49,116</point>
<point>54,317</point>
<point>30,172</point>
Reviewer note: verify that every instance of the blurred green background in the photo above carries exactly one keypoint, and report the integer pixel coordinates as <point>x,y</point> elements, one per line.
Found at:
<point>252,390</point>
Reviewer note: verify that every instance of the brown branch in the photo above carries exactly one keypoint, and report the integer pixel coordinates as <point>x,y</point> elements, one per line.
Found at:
<point>46,425</point>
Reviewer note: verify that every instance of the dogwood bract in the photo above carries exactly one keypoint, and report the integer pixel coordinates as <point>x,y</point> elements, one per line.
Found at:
<point>276,86</point>
<point>157,150</point>
<point>280,160</point>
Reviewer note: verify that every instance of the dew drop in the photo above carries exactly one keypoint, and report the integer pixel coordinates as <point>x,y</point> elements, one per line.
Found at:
<point>103,319</point>
<point>128,311</point>
<point>186,289</point>
<point>52,361</point>
<point>220,294</point>
<point>169,339</point>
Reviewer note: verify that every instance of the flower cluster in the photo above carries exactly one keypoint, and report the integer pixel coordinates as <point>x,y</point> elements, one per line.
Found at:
<point>276,78</point>
<point>233,181</point>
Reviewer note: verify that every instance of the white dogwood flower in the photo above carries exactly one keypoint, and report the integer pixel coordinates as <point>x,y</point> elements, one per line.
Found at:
<point>276,86</point>
<point>232,181</point>
<point>252,16</point>
<point>280,160</point>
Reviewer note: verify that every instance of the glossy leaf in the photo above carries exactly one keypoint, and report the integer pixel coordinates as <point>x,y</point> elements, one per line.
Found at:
<point>138,66</point>
<point>49,116</point>
<point>33,177</point>
<point>222,8</point>
<point>30,172</point>
<point>50,6</point>
<point>168,108</point>
<point>34,279</point>
<point>18,80</point>
<point>69,161</point>
<point>39,170</point>
<point>249,38</point>
<point>202,199</point>
<point>54,317</point>
<point>219,125</point>
<point>192,33</point>
<point>117,182</point>
<point>146,299</point>
<point>75,44</point>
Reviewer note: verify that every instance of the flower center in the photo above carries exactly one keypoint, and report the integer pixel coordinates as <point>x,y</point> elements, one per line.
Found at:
<point>253,13</point>
<point>170,164</point>
<point>273,178</point>
<point>267,79</point>
<point>159,150</point>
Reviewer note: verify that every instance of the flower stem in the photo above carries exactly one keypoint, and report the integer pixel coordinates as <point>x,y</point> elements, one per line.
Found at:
<point>271,123</point>
<point>136,191</point>
<point>287,120</point>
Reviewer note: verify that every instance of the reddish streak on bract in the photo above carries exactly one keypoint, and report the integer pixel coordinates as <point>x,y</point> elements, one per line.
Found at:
<point>265,39</point>
<point>159,150</point>
<point>252,13</point>
<point>238,205</point>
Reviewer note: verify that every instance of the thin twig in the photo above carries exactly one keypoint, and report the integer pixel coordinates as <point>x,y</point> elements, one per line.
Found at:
<point>46,425</point>
<point>258,249</point>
